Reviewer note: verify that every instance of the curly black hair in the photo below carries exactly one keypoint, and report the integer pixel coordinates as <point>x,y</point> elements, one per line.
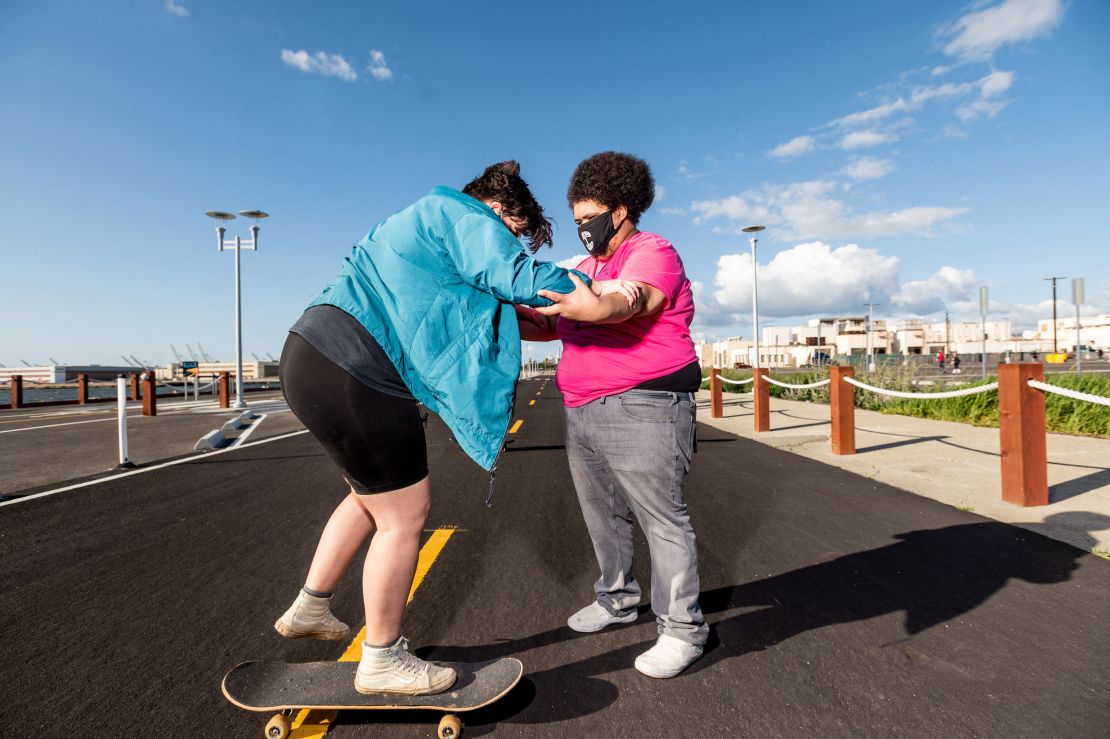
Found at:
<point>502,182</point>
<point>613,179</point>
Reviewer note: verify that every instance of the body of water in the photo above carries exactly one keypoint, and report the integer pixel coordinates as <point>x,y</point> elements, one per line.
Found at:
<point>48,394</point>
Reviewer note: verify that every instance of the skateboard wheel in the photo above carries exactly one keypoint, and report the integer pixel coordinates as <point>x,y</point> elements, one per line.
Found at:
<point>279,727</point>
<point>449,727</point>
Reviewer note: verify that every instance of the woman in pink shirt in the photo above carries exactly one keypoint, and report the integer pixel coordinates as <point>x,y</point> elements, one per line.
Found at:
<point>628,376</point>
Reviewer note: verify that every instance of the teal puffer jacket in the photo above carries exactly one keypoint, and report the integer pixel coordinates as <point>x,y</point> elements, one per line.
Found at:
<point>435,285</point>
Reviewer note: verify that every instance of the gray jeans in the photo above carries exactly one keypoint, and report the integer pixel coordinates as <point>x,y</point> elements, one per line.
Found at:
<point>629,455</point>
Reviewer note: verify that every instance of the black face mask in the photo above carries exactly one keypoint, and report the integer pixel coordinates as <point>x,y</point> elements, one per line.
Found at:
<point>597,232</point>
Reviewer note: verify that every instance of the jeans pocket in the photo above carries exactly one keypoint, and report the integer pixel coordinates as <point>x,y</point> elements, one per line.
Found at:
<point>647,409</point>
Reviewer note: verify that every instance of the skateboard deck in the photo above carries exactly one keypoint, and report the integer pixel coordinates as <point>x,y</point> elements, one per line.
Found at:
<point>280,686</point>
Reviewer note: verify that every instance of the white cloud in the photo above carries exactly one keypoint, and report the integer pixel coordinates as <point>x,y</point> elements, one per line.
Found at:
<point>978,35</point>
<point>329,65</point>
<point>807,210</point>
<point>980,109</point>
<point>660,193</point>
<point>378,68</point>
<point>868,168</point>
<point>673,211</point>
<point>809,278</point>
<point>871,115</point>
<point>946,286</point>
<point>996,83</point>
<point>864,139</point>
<point>175,9</point>
<point>794,147</point>
<point>571,262</point>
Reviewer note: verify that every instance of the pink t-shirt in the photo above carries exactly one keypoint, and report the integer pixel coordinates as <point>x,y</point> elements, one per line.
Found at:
<point>602,359</point>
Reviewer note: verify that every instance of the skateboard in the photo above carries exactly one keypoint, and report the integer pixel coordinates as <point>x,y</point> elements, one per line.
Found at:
<point>284,687</point>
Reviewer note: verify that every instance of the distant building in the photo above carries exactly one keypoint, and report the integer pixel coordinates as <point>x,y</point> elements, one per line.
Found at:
<point>841,336</point>
<point>59,373</point>
<point>251,370</point>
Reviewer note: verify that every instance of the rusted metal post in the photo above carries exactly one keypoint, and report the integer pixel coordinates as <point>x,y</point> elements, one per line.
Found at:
<point>82,389</point>
<point>761,399</point>
<point>225,390</point>
<point>134,386</point>
<point>150,395</point>
<point>17,391</point>
<point>842,410</point>
<point>1021,426</point>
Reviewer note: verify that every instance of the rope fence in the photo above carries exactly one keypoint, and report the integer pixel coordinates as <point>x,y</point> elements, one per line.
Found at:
<point>1021,417</point>
<point>806,386</point>
<point>735,382</point>
<point>927,396</point>
<point>1068,393</point>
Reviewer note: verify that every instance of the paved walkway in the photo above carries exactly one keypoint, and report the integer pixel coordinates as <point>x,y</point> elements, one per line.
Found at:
<point>953,463</point>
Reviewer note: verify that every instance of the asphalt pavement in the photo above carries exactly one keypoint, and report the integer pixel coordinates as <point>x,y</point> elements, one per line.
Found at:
<point>844,608</point>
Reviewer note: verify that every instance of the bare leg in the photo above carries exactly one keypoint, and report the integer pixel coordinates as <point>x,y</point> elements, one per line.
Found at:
<point>400,516</point>
<point>343,536</point>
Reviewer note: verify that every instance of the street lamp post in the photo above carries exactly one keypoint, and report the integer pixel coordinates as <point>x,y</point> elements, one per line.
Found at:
<point>983,302</point>
<point>1078,296</point>
<point>252,245</point>
<point>870,339</point>
<point>752,240</point>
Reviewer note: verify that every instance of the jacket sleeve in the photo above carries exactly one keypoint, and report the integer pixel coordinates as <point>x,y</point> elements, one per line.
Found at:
<point>489,258</point>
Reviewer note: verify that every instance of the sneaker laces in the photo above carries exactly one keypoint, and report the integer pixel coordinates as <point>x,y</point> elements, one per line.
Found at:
<point>404,660</point>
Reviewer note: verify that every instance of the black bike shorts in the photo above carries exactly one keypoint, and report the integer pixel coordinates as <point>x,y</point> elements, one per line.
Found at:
<point>376,439</point>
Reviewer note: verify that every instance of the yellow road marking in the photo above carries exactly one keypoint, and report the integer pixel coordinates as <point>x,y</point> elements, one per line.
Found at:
<point>531,402</point>
<point>516,426</point>
<point>312,724</point>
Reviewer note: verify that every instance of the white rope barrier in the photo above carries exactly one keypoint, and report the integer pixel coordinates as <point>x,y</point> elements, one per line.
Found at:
<point>735,382</point>
<point>1074,394</point>
<point>806,386</point>
<point>927,396</point>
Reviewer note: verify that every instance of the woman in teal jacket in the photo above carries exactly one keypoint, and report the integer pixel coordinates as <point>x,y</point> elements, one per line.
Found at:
<point>422,310</point>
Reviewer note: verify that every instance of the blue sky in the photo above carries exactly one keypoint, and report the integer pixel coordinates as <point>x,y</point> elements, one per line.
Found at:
<point>903,153</point>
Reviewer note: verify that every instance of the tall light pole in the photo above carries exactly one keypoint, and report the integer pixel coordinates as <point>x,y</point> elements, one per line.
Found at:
<point>1053,279</point>
<point>870,340</point>
<point>220,217</point>
<point>1077,297</point>
<point>752,240</point>
<point>983,301</point>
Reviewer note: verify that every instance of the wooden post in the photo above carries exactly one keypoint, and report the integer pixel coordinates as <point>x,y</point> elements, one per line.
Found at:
<point>150,395</point>
<point>1021,426</point>
<point>225,390</point>
<point>761,399</point>
<point>82,389</point>
<point>842,410</point>
<point>134,386</point>
<point>17,391</point>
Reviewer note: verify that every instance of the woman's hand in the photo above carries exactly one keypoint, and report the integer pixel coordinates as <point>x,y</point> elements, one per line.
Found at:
<point>584,305</point>
<point>630,290</point>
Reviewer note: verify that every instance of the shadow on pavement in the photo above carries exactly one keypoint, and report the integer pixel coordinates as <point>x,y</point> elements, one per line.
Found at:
<point>933,576</point>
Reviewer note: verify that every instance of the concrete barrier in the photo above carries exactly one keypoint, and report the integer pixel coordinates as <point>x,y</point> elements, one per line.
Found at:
<point>214,439</point>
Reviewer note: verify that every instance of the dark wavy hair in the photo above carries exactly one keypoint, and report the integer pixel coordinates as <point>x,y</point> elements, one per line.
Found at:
<point>612,179</point>
<point>502,182</point>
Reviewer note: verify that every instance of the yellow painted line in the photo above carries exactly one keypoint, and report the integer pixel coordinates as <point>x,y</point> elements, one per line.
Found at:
<point>531,402</point>
<point>516,426</point>
<point>312,724</point>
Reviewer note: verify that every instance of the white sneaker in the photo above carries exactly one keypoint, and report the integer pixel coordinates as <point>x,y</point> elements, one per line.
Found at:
<point>594,617</point>
<point>311,616</point>
<point>393,669</point>
<point>668,657</point>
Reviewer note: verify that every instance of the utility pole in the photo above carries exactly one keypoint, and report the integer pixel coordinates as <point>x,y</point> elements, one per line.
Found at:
<point>870,340</point>
<point>983,304</point>
<point>1054,309</point>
